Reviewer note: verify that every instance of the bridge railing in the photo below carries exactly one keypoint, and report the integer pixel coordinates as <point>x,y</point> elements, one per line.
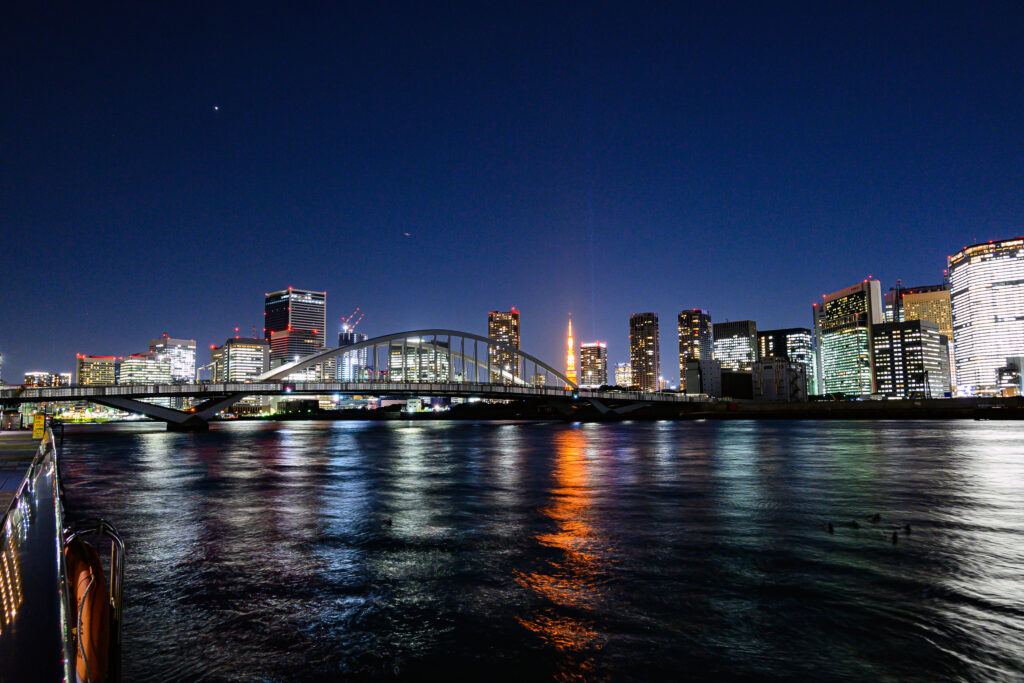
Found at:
<point>378,387</point>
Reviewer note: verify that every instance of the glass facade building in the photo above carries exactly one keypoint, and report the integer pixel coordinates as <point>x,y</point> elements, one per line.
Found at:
<point>695,340</point>
<point>593,365</point>
<point>418,360</point>
<point>911,359</point>
<point>353,367</point>
<point>145,368</point>
<point>301,310</point>
<point>735,344</point>
<point>644,351</point>
<point>932,304</point>
<point>240,359</point>
<point>987,301</point>
<point>623,375</point>
<point>181,353</point>
<point>795,344</point>
<point>842,326</point>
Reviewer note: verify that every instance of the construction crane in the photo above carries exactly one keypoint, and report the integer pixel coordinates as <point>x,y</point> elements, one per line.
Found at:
<point>346,323</point>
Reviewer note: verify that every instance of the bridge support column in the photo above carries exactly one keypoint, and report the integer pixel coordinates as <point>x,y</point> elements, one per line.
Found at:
<point>196,420</point>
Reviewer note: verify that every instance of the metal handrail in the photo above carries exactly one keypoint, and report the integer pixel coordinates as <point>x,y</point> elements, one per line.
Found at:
<point>70,530</point>
<point>101,528</point>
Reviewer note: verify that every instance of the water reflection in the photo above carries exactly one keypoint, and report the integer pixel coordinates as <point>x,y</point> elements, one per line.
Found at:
<point>313,551</point>
<point>569,582</point>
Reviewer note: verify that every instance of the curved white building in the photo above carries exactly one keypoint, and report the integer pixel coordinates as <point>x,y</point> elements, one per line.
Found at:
<point>987,295</point>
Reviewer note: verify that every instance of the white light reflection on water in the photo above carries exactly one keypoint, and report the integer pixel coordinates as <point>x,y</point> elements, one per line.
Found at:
<point>631,551</point>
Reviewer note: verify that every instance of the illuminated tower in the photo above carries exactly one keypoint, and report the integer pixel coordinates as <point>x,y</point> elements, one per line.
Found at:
<point>570,358</point>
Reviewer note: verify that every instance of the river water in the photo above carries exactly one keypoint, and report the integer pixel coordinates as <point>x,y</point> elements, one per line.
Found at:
<point>533,551</point>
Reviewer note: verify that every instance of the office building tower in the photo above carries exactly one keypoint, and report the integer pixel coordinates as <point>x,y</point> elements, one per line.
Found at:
<point>778,379</point>
<point>932,303</point>
<point>300,310</point>
<point>503,326</point>
<point>695,340</point>
<point>735,344</point>
<point>895,300</point>
<point>36,378</point>
<point>794,344</point>
<point>418,360</point>
<point>593,365</point>
<point>287,346</point>
<point>145,368</point>
<point>644,351</point>
<point>353,367</point>
<point>182,355</point>
<point>910,359</point>
<point>842,328</point>
<point>240,359</point>
<point>623,375</point>
<point>987,296</point>
<point>539,380</point>
<point>1011,377</point>
<point>96,370</point>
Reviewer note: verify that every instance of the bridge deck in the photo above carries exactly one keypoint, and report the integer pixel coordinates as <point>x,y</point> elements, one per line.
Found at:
<point>463,389</point>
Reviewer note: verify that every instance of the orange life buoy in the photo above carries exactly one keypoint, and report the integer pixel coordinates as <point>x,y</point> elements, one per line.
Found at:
<point>91,602</point>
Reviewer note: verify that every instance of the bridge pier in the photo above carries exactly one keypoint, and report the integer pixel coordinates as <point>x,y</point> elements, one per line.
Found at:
<point>191,425</point>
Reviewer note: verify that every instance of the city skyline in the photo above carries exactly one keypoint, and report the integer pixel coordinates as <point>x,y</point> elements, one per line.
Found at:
<point>160,169</point>
<point>623,355</point>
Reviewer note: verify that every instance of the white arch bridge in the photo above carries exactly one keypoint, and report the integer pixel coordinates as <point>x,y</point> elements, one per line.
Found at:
<point>434,362</point>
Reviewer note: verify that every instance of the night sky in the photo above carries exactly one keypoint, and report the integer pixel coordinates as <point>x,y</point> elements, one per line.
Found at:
<point>162,165</point>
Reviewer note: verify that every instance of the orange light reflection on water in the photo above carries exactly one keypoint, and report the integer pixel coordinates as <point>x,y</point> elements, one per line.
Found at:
<point>569,587</point>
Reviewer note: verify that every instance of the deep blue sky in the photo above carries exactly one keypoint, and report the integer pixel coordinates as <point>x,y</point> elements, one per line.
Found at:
<point>584,158</point>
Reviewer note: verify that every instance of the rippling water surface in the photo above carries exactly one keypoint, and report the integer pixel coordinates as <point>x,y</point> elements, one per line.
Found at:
<point>320,551</point>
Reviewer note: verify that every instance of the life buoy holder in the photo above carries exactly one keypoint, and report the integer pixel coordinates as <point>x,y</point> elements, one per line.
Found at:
<point>90,610</point>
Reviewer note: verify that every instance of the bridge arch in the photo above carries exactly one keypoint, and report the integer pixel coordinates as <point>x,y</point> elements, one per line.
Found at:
<point>429,339</point>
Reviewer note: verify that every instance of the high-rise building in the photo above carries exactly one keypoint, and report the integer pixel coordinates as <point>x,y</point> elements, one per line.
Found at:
<point>36,378</point>
<point>593,365</point>
<point>418,360</point>
<point>795,344</point>
<point>987,296</point>
<point>503,326</point>
<point>353,367</point>
<point>932,303</point>
<point>842,327</point>
<point>301,310</point>
<point>910,359</point>
<point>735,344</point>
<point>644,351</point>
<point>570,358</point>
<point>182,355</point>
<point>240,359</point>
<point>539,379</point>
<point>623,375</point>
<point>145,368</point>
<point>695,340</point>
<point>287,346</point>
<point>96,370</point>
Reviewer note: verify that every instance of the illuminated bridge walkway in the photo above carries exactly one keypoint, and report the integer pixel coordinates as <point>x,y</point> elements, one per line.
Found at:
<point>441,363</point>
